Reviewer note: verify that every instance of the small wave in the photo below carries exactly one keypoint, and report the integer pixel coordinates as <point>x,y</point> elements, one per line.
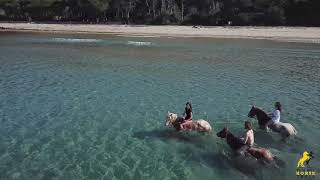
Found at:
<point>74,40</point>
<point>137,36</point>
<point>139,43</point>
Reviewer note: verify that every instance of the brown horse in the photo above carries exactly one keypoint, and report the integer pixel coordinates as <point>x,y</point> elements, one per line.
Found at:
<point>236,143</point>
<point>285,129</point>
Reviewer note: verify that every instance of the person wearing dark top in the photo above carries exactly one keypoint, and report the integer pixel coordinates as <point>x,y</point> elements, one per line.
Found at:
<point>187,116</point>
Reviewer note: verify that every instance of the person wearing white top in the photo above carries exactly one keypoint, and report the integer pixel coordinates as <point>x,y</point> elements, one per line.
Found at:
<point>275,115</point>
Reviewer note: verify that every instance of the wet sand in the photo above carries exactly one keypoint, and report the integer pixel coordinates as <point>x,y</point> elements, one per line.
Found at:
<point>288,34</point>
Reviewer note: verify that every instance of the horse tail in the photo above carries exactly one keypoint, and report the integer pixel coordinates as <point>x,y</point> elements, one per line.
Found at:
<point>205,126</point>
<point>295,132</point>
<point>287,129</point>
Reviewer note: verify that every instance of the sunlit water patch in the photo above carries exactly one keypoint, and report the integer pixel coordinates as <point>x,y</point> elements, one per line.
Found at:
<point>75,40</point>
<point>139,43</point>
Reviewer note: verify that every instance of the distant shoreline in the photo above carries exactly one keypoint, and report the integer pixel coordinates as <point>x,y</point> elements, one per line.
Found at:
<point>286,34</point>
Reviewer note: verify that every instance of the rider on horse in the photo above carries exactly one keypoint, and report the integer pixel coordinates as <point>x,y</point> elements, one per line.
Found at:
<point>248,138</point>
<point>275,116</point>
<point>187,116</point>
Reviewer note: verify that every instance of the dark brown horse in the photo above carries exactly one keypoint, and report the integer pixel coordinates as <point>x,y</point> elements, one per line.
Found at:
<point>236,143</point>
<point>262,117</point>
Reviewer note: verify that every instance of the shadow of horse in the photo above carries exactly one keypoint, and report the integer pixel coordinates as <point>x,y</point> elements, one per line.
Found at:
<point>228,161</point>
<point>225,161</point>
<point>271,140</point>
<point>169,135</point>
<point>222,160</point>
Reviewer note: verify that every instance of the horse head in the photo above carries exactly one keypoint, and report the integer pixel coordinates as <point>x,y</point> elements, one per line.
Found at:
<point>252,112</point>
<point>233,141</point>
<point>171,118</point>
<point>223,133</point>
<point>262,116</point>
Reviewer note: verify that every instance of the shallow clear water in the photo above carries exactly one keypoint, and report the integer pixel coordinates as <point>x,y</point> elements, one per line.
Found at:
<point>93,106</point>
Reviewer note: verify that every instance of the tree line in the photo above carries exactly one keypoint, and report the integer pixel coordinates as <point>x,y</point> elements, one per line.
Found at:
<point>186,12</point>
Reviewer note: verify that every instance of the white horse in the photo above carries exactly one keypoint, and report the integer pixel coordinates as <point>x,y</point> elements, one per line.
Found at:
<point>200,125</point>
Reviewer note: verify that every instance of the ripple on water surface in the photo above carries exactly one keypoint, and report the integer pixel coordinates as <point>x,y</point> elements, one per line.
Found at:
<point>93,107</point>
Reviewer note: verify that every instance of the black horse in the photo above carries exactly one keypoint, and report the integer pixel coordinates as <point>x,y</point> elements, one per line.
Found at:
<point>262,117</point>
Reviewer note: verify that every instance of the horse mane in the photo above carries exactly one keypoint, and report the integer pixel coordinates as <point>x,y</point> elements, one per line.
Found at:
<point>262,111</point>
<point>262,116</point>
<point>179,119</point>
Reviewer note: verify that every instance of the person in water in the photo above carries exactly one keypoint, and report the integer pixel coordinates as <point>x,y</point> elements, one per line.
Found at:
<point>187,116</point>
<point>248,138</point>
<point>275,115</point>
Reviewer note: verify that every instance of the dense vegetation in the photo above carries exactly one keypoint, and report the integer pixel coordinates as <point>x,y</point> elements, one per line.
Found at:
<point>200,12</point>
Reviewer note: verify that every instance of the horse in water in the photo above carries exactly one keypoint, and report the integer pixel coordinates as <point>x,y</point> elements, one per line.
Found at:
<point>197,125</point>
<point>236,143</point>
<point>285,129</point>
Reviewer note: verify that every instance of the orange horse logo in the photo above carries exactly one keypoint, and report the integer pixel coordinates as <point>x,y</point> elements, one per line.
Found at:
<point>305,159</point>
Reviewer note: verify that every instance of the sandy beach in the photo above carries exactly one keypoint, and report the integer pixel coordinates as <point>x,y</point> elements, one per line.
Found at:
<point>289,34</point>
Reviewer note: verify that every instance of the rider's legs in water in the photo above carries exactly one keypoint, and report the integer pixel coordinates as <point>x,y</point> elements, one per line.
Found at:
<point>268,124</point>
<point>243,150</point>
<point>186,124</point>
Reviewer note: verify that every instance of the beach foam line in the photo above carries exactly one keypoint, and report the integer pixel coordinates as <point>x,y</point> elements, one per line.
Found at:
<point>145,36</point>
<point>305,40</point>
<point>139,43</point>
<point>75,40</point>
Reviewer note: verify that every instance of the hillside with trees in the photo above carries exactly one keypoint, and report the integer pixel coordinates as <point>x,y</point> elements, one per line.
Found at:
<point>186,12</point>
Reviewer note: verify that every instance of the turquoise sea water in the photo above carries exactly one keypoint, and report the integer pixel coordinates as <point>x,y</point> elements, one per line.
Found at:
<point>93,106</point>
